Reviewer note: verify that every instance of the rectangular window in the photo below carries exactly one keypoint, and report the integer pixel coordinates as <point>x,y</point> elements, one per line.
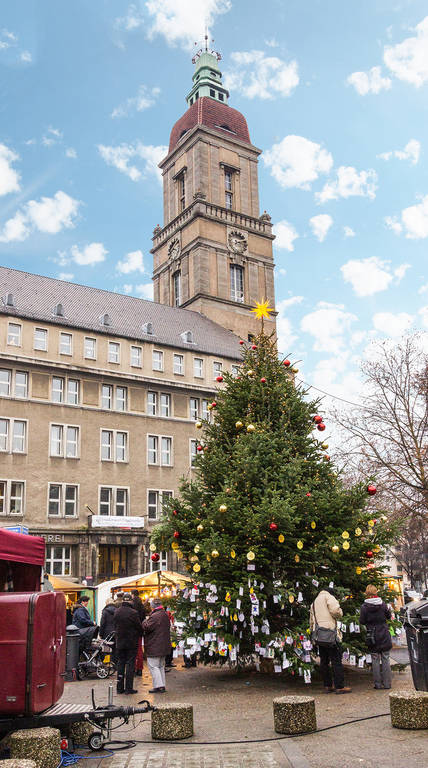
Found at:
<point>165,404</point>
<point>72,445</point>
<point>236,283</point>
<point>4,434</point>
<point>106,396</point>
<point>73,392</point>
<point>19,436</point>
<point>228,180</point>
<point>106,498</point>
<point>235,371</point>
<point>193,452</point>
<point>4,382</point>
<point>65,344</point>
<point>221,97</point>
<point>152,505</point>
<point>114,501</point>
<point>14,334</point>
<point>121,398</point>
<point>204,410</point>
<point>181,192</point>
<point>54,504</point>
<point>166,451</point>
<point>152,403</point>
<point>157,360</point>
<point>11,497</point>
<point>121,506</point>
<point>217,369</point>
<point>162,563</point>
<point>21,384</point>
<point>179,364</point>
<point>62,500</point>
<point>152,449</point>
<point>164,498</point>
<point>194,408</point>
<point>60,434</point>
<point>13,436</point>
<point>56,440</point>
<point>121,446</point>
<point>58,560</point>
<point>136,356</point>
<point>198,367</point>
<point>40,339</point>
<point>106,445</point>
<point>57,389</point>
<point>90,348</point>
<point>176,278</point>
<point>3,487</point>
<point>113,352</point>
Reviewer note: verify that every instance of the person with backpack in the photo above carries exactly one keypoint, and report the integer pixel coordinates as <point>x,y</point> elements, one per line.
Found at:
<point>374,614</point>
<point>325,610</point>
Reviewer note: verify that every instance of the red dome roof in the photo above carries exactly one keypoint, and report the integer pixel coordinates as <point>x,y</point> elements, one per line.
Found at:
<point>213,114</point>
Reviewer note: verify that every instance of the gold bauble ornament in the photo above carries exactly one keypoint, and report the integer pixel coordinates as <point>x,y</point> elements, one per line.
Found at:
<point>196,548</point>
<point>250,373</point>
<point>208,558</point>
<point>324,446</point>
<point>179,554</point>
<point>235,617</point>
<point>358,570</point>
<point>300,545</point>
<point>251,428</point>
<point>346,545</point>
<point>297,558</point>
<point>371,523</point>
<point>281,538</point>
<point>313,524</point>
<point>209,407</point>
<point>194,559</point>
<point>294,370</point>
<point>358,531</point>
<point>198,425</point>
<point>199,528</point>
<point>228,598</point>
<point>250,555</point>
<point>222,508</point>
<point>214,553</point>
<point>335,548</point>
<point>196,567</point>
<point>291,598</point>
<point>232,553</point>
<point>152,547</point>
<point>174,545</point>
<point>376,548</point>
<point>345,535</point>
<point>239,425</point>
<point>251,590</point>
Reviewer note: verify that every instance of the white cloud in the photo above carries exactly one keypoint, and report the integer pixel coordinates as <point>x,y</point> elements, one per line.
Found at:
<point>51,137</point>
<point>392,325</point>
<point>49,215</point>
<point>120,156</point>
<point>9,177</point>
<point>182,21</point>
<point>371,275</point>
<point>320,225</point>
<point>423,288</point>
<point>408,60</point>
<point>335,376</point>
<point>348,231</point>
<point>26,57</point>
<point>410,152</point>
<point>133,262</point>
<point>285,303</point>
<point>133,19</point>
<point>349,183</point>
<point>369,82</point>
<point>91,254</point>
<point>65,276</point>
<point>71,152</point>
<point>127,288</point>
<point>297,162</point>
<point>414,221</point>
<point>423,312</point>
<point>145,291</point>
<point>328,324</point>
<point>258,76</point>
<point>284,329</point>
<point>285,235</point>
<point>144,99</point>
<point>271,43</point>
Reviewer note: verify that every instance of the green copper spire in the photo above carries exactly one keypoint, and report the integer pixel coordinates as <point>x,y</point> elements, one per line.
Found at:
<point>207,77</point>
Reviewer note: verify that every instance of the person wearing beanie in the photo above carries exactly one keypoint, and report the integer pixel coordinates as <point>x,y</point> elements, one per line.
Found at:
<point>157,644</point>
<point>374,614</point>
<point>324,612</point>
<point>128,629</point>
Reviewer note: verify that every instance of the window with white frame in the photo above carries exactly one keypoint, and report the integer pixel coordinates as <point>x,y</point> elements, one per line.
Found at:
<point>217,369</point>
<point>155,502</point>
<point>181,189</point>
<point>165,404</point>
<point>21,384</point>
<point>58,560</point>
<point>114,445</point>
<point>106,396</point>
<point>194,408</point>
<point>57,395</point>
<point>136,356</point>
<point>198,367</point>
<point>166,451</point>
<point>14,334</point>
<point>152,449</point>
<point>237,283</point>
<point>41,339</point>
<point>179,364</point>
<point>234,370</point>
<point>157,360</point>
<point>5,380</point>
<point>162,563</point>
<point>113,352</point>
<point>65,344</point>
<point>228,189</point>
<point>193,451</point>
<point>121,398</point>
<point>64,441</point>
<point>13,435</point>
<point>205,413</point>
<point>176,279</point>
<point>62,500</point>
<point>90,348</point>
<point>159,450</point>
<point>73,391</point>
<point>152,403</point>
<point>11,497</point>
<point>114,501</point>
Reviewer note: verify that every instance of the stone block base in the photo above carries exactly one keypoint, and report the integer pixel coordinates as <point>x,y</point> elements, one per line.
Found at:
<point>409,709</point>
<point>40,745</point>
<point>294,714</point>
<point>18,764</point>
<point>172,721</point>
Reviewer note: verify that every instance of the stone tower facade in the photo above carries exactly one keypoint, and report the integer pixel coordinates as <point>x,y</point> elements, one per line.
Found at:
<point>214,251</point>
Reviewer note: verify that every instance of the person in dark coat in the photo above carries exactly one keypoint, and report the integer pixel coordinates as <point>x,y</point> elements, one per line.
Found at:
<point>81,615</point>
<point>128,629</point>
<point>139,607</point>
<point>107,618</point>
<point>157,644</point>
<point>374,614</point>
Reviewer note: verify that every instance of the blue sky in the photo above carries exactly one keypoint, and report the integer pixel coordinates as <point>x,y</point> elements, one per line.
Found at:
<point>335,94</point>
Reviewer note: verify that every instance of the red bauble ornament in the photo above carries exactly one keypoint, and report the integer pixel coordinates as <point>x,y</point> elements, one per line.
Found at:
<point>286,363</point>
<point>176,534</point>
<point>174,512</point>
<point>308,494</point>
<point>370,566</point>
<point>326,457</point>
<point>199,448</point>
<point>155,557</point>
<point>317,419</point>
<point>214,404</point>
<point>273,527</point>
<point>263,380</point>
<point>369,553</point>
<point>219,378</point>
<point>371,490</point>
<point>241,342</point>
<point>253,346</point>
<point>321,426</point>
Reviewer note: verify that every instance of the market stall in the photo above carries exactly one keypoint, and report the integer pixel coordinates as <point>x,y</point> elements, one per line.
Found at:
<point>151,584</point>
<point>21,560</point>
<point>72,591</point>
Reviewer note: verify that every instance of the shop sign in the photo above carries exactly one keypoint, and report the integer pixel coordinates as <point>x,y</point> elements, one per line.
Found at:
<point>110,521</point>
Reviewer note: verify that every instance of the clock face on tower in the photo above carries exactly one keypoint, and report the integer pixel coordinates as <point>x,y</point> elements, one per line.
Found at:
<point>237,242</point>
<point>174,249</point>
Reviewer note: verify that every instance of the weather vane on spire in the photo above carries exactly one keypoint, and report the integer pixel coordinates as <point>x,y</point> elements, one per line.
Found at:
<point>204,48</point>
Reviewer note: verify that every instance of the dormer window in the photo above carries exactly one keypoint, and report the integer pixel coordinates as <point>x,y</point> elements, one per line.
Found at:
<point>212,93</point>
<point>58,310</point>
<point>105,319</point>
<point>221,96</point>
<point>9,300</point>
<point>148,328</point>
<point>187,337</point>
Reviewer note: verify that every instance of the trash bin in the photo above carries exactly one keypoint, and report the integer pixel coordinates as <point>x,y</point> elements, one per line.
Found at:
<point>72,652</point>
<point>416,626</point>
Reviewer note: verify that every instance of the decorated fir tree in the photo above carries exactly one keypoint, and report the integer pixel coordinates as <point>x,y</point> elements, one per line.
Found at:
<point>266,522</point>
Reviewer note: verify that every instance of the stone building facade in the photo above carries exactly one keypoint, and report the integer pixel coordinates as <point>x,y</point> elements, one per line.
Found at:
<point>99,392</point>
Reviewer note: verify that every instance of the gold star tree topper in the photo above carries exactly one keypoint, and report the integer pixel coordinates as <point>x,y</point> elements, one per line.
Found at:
<point>262,309</point>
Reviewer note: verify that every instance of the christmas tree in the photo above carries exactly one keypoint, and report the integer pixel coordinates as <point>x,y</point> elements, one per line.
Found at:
<point>266,523</point>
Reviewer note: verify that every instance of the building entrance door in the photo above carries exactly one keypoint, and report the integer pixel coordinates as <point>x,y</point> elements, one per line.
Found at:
<point>113,562</point>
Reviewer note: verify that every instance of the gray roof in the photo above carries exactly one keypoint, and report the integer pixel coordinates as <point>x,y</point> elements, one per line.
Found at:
<point>35,298</point>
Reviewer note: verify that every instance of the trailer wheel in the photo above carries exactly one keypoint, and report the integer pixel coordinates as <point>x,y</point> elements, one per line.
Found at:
<point>95,742</point>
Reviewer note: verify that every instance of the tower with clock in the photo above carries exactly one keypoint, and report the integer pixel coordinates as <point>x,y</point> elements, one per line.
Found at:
<point>213,253</point>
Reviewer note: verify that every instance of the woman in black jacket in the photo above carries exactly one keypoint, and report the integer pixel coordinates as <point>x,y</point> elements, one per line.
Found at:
<point>374,614</point>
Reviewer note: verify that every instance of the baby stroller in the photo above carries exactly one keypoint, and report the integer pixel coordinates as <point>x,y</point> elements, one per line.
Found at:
<point>95,654</point>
